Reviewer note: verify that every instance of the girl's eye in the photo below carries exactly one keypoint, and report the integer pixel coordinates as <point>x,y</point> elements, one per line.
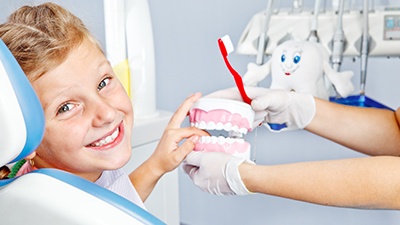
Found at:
<point>65,108</point>
<point>103,83</point>
<point>296,58</point>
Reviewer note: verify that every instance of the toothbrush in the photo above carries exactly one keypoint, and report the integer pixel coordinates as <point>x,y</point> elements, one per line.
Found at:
<point>226,47</point>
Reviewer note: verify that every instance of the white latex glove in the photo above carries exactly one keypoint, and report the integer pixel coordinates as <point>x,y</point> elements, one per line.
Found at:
<point>215,172</point>
<point>295,110</point>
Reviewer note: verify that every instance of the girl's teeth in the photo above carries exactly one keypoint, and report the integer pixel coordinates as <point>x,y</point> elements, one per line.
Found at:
<point>107,139</point>
<point>115,134</point>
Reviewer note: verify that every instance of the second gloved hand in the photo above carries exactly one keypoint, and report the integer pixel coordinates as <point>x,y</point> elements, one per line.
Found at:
<point>295,110</point>
<point>215,172</point>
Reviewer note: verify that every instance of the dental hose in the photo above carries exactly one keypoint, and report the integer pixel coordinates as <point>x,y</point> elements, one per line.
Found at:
<point>313,37</point>
<point>263,38</point>
<point>338,40</point>
<point>338,43</point>
<point>364,49</point>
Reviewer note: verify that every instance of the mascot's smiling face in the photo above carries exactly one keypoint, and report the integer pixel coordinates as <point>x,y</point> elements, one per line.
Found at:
<point>290,59</point>
<point>297,58</point>
<point>297,66</point>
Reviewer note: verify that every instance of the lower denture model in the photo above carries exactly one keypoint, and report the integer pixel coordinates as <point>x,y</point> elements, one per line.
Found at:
<point>233,118</point>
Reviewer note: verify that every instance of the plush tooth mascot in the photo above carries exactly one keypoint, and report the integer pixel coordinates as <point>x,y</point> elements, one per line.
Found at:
<point>301,66</point>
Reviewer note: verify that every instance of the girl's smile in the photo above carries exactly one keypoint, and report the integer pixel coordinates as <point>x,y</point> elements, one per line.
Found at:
<point>110,140</point>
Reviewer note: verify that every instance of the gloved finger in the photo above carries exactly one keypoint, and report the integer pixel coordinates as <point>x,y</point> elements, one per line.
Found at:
<point>189,169</point>
<point>260,104</point>
<point>272,101</point>
<point>257,123</point>
<point>193,158</point>
<point>259,118</point>
<point>260,115</point>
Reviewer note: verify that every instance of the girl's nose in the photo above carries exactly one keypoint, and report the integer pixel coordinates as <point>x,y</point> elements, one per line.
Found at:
<point>104,113</point>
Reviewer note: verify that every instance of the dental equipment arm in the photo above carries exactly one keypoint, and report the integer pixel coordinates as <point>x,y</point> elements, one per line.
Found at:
<point>339,40</point>
<point>263,39</point>
<point>370,131</point>
<point>313,37</point>
<point>364,48</point>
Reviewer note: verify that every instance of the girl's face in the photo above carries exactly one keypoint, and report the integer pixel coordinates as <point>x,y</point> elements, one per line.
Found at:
<point>89,116</point>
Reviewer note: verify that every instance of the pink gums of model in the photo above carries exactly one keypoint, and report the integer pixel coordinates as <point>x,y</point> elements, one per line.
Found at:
<point>234,117</point>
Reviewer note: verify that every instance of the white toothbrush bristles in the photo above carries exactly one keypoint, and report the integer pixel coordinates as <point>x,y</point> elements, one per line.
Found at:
<point>228,44</point>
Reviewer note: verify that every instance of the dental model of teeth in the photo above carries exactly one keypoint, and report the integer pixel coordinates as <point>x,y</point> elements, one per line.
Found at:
<point>233,118</point>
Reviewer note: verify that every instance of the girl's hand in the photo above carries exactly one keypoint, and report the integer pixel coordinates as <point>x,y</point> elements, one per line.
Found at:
<point>170,153</point>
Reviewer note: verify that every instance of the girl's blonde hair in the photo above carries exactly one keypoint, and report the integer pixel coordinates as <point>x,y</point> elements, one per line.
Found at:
<point>40,37</point>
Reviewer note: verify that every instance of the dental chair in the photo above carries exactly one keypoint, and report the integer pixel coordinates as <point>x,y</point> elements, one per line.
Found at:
<point>47,196</point>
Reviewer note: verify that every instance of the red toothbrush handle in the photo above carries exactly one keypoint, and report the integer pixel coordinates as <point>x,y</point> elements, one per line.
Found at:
<point>236,75</point>
<point>238,81</point>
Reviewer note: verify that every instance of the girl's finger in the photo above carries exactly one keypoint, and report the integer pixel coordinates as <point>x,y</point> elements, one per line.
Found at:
<point>187,132</point>
<point>182,111</point>
<point>186,147</point>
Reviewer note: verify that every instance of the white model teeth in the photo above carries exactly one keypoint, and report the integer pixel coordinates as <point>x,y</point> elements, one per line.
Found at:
<point>107,139</point>
<point>202,125</point>
<point>219,126</point>
<point>220,140</point>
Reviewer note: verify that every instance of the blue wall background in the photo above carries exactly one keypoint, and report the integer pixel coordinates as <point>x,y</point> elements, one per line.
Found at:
<point>188,60</point>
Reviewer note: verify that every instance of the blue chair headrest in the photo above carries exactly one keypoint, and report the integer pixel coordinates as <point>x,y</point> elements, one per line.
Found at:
<point>21,115</point>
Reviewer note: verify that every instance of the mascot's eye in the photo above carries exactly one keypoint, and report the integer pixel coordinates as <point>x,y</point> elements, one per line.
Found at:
<point>283,58</point>
<point>296,59</point>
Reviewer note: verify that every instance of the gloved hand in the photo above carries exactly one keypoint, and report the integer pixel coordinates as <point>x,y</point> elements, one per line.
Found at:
<point>295,110</point>
<point>215,172</point>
